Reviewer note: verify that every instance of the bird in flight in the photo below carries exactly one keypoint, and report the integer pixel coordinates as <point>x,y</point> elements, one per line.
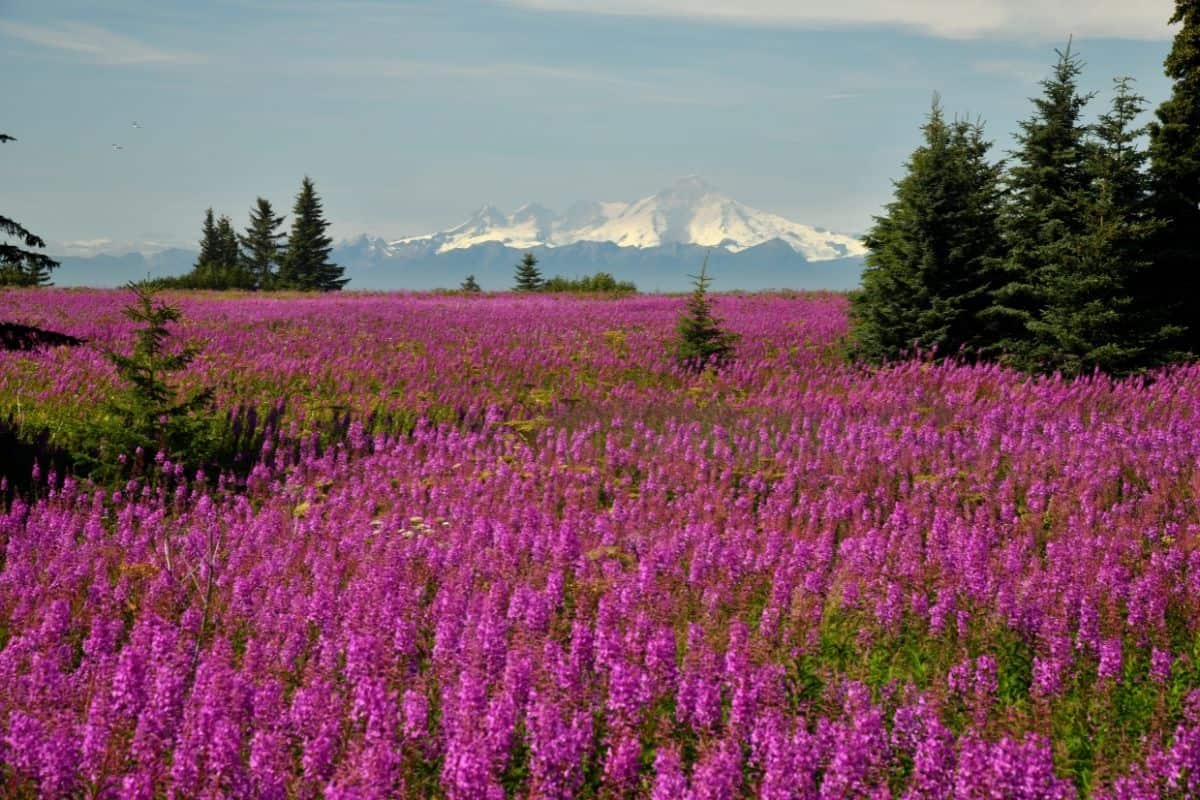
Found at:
<point>118,147</point>
<point>137,124</point>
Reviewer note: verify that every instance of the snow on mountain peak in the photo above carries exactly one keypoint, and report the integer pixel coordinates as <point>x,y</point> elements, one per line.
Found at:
<point>690,211</point>
<point>488,216</point>
<point>533,211</point>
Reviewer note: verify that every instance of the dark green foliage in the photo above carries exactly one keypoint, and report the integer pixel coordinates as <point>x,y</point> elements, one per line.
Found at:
<point>600,283</point>
<point>1048,188</point>
<point>206,276</point>
<point>936,253</point>
<point>1173,282</point>
<point>702,342</point>
<point>229,254</point>
<point>1092,318</point>
<point>305,264</point>
<point>261,247</point>
<point>210,241</point>
<point>219,264</point>
<point>470,285</point>
<point>256,260</point>
<point>1088,263</point>
<point>150,414</point>
<point>527,276</point>
<point>19,266</point>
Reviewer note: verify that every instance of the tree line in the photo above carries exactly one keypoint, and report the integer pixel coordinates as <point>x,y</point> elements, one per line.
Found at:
<point>260,259</point>
<point>1079,252</point>
<point>528,278</point>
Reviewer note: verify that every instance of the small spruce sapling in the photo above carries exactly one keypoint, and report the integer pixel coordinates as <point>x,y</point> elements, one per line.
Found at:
<point>151,413</point>
<point>702,342</point>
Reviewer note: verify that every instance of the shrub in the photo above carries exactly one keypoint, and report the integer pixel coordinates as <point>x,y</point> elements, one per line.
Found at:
<point>600,283</point>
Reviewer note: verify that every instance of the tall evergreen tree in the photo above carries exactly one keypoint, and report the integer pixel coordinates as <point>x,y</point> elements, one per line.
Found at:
<point>218,265</point>
<point>19,266</point>
<point>1092,318</point>
<point>527,276</point>
<point>1172,284</point>
<point>261,248</point>
<point>935,254</point>
<point>1047,194</point>
<point>305,264</point>
<point>229,254</point>
<point>210,241</point>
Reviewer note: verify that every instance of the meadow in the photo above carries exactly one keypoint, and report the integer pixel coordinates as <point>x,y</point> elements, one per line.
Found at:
<point>499,546</point>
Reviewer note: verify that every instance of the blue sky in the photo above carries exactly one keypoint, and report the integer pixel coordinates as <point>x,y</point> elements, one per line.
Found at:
<point>409,115</point>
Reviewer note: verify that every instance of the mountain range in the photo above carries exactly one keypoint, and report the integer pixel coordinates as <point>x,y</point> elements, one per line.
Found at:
<point>656,242</point>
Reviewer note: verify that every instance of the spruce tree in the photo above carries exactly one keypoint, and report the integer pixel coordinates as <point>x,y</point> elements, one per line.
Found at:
<point>1047,189</point>
<point>1173,282</point>
<point>470,285</point>
<point>205,272</point>
<point>701,341</point>
<point>261,248</point>
<point>934,255</point>
<point>1093,318</point>
<point>19,266</point>
<point>210,241</point>
<point>218,265</point>
<point>229,254</point>
<point>305,264</point>
<point>528,277</point>
<point>151,413</point>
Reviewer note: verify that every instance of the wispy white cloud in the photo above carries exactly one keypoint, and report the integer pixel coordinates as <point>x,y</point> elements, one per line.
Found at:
<point>652,87</point>
<point>103,246</point>
<point>1043,20</point>
<point>1024,71</point>
<point>94,43</point>
<point>416,68</point>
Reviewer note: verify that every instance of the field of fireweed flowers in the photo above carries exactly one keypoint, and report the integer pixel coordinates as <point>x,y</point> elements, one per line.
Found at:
<point>543,562</point>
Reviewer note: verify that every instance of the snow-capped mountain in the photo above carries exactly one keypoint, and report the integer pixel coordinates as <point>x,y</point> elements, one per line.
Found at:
<point>690,212</point>
<point>656,242</point>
